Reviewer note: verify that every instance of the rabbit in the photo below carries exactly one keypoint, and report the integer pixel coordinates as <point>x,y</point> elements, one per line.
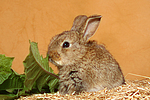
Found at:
<point>83,64</point>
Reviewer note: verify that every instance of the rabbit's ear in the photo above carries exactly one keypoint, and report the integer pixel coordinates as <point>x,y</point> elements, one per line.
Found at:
<point>90,26</point>
<point>78,22</point>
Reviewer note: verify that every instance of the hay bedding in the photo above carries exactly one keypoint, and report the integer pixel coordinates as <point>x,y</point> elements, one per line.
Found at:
<point>133,90</point>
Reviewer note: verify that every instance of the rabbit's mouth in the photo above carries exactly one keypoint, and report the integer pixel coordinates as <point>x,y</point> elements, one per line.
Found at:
<point>54,62</point>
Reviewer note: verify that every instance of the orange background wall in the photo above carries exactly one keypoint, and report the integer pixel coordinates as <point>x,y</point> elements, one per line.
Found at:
<point>124,28</point>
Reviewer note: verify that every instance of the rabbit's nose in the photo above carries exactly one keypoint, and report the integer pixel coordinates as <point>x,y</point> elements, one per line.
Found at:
<point>54,55</point>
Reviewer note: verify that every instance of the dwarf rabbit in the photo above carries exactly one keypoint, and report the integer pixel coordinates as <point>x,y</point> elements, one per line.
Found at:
<point>83,64</point>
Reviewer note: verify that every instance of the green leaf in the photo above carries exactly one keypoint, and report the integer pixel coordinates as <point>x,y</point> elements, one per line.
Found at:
<point>15,81</point>
<point>38,76</point>
<point>8,96</point>
<point>5,67</point>
<point>37,69</point>
<point>11,82</point>
<point>53,84</point>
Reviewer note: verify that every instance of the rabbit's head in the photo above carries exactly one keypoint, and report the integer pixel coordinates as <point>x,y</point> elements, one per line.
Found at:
<point>70,46</point>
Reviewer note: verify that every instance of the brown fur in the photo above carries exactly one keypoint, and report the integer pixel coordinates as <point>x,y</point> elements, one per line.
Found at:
<point>84,65</point>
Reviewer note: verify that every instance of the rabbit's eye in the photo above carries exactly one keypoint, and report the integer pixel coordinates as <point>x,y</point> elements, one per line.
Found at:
<point>66,44</point>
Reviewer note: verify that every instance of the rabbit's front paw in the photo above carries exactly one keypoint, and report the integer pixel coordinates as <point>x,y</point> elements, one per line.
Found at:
<point>67,87</point>
<point>71,84</point>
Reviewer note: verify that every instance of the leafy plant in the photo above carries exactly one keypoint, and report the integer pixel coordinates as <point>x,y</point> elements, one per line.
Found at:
<point>38,77</point>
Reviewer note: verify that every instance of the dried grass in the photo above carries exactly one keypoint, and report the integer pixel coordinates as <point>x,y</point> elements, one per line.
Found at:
<point>133,90</point>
